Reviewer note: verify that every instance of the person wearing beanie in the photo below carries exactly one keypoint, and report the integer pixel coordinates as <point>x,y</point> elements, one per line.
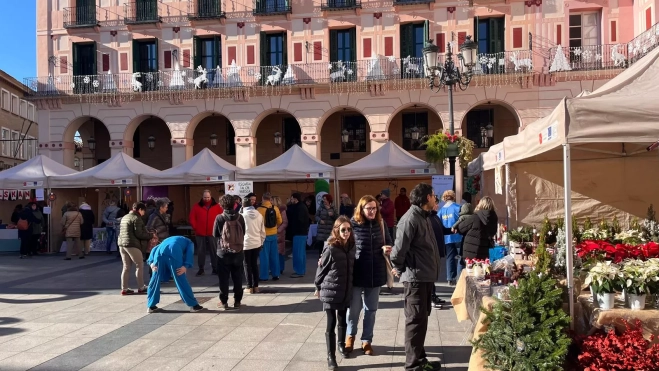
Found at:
<point>298,217</point>
<point>387,210</point>
<point>87,226</point>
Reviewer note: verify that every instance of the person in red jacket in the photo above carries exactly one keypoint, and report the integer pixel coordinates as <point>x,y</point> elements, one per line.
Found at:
<point>402,203</point>
<point>387,211</point>
<point>202,217</point>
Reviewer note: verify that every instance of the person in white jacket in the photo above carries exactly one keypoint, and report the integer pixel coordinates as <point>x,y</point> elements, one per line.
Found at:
<point>254,238</point>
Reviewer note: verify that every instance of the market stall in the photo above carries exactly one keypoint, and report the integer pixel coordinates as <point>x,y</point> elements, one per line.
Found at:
<point>204,168</point>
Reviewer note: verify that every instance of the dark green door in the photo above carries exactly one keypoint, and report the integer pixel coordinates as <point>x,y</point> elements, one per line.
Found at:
<point>145,61</point>
<point>146,10</point>
<point>84,68</point>
<point>343,55</point>
<point>85,12</point>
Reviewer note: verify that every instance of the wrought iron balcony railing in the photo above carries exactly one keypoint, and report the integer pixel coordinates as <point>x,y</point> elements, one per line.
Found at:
<point>141,11</point>
<point>412,2</point>
<point>81,16</point>
<point>340,4</point>
<point>271,7</point>
<point>643,43</point>
<point>588,58</point>
<point>207,9</point>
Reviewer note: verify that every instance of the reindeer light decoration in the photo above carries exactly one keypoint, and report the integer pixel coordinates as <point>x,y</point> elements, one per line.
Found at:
<point>276,78</point>
<point>410,66</point>
<point>521,63</point>
<point>338,75</point>
<point>201,79</point>
<point>137,86</point>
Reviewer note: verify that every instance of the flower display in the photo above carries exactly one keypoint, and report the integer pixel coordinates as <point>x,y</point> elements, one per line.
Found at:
<point>603,277</point>
<point>437,148</point>
<point>603,250</point>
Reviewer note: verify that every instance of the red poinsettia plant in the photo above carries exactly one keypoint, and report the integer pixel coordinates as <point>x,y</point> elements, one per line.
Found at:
<point>604,250</point>
<point>626,351</point>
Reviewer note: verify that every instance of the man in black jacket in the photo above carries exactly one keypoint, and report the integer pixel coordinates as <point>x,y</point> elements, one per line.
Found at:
<point>415,258</point>
<point>298,226</point>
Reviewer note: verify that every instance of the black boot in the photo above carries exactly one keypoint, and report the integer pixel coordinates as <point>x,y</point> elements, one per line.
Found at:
<point>342,342</point>
<point>330,340</point>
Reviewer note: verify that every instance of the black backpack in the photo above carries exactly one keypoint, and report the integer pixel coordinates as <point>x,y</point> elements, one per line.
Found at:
<point>270,219</point>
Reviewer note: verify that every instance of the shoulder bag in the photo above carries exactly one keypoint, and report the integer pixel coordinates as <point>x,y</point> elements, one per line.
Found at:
<point>67,226</point>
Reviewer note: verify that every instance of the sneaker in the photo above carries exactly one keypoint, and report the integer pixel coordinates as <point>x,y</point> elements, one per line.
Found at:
<point>200,272</point>
<point>153,309</point>
<point>368,350</point>
<point>297,275</point>
<point>127,292</point>
<point>224,306</point>
<point>196,308</point>
<point>256,290</point>
<point>143,290</point>
<point>236,305</point>
<point>275,278</point>
<point>249,290</point>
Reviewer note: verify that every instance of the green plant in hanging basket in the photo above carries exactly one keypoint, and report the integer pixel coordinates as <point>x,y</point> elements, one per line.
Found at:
<point>440,146</point>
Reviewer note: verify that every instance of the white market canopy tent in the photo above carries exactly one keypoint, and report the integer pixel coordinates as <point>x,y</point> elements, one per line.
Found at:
<point>33,173</point>
<point>389,161</point>
<point>294,164</point>
<point>205,167</point>
<point>120,170</point>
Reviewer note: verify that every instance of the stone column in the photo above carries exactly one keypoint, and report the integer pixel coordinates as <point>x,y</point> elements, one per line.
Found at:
<point>378,139</point>
<point>182,150</point>
<point>245,152</point>
<point>311,144</point>
<point>120,145</point>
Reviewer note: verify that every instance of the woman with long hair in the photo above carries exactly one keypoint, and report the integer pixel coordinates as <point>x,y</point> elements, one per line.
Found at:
<point>479,230</point>
<point>371,239</point>
<point>334,285</point>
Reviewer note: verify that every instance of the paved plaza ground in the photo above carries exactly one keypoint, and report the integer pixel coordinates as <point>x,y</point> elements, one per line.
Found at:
<point>68,315</point>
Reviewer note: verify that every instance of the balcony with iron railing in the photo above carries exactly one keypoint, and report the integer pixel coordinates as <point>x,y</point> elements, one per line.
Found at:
<point>81,16</point>
<point>271,7</point>
<point>141,12</point>
<point>412,2</point>
<point>330,5</point>
<point>206,10</point>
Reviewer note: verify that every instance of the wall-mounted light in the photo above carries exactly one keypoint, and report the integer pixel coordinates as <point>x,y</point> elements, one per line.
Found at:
<point>490,130</point>
<point>415,133</point>
<point>345,136</point>
<point>151,142</point>
<point>91,143</point>
<point>213,140</point>
<point>76,162</point>
<point>277,138</point>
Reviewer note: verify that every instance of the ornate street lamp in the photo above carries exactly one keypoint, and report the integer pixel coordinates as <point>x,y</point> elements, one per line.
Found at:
<point>450,75</point>
<point>277,138</point>
<point>91,143</point>
<point>345,136</point>
<point>76,162</point>
<point>151,142</point>
<point>213,140</point>
<point>490,133</point>
<point>415,133</point>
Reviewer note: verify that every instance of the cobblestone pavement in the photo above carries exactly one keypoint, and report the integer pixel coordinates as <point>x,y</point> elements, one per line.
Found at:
<point>68,315</point>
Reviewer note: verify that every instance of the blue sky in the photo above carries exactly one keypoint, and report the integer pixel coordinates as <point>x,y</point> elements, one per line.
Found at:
<point>18,38</point>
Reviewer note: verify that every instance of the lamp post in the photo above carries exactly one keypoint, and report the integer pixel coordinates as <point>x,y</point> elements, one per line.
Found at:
<point>213,140</point>
<point>345,136</point>
<point>76,162</point>
<point>151,142</point>
<point>450,75</point>
<point>277,138</point>
<point>91,143</point>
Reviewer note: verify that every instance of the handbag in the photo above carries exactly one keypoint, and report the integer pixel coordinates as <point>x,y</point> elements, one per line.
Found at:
<point>67,226</point>
<point>390,275</point>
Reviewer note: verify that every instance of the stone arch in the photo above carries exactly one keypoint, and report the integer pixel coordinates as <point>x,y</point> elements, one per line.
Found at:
<point>493,102</point>
<point>135,123</point>
<point>333,110</point>
<point>75,124</point>
<point>412,104</point>
<point>198,118</point>
<point>257,121</point>
<point>502,115</point>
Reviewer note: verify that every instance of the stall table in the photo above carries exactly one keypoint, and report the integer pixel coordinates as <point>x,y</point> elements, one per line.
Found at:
<point>9,241</point>
<point>98,242</point>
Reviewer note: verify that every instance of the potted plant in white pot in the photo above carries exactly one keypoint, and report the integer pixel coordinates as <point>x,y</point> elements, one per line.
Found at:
<point>602,279</point>
<point>635,277</point>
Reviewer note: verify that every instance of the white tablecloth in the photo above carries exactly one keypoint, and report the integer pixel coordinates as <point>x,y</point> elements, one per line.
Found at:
<point>98,241</point>
<point>313,231</point>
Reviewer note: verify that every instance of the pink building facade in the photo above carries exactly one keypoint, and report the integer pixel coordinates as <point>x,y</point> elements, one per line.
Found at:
<point>160,80</point>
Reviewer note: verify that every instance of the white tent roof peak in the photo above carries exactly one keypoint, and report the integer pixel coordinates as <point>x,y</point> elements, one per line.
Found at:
<point>294,164</point>
<point>390,160</point>
<point>204,167</point>
<point>37,169</point>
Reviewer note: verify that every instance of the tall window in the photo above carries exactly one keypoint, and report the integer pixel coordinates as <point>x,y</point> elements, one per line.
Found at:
<point>208,55</point>
<point>412,40</point>
<point>356,128</point>
<point>23,149</point>
<point>490,35</point>
<point>5,143</point>
<point>231,143</point>
<point>146,10</point>
<point>84,64</point>
<point>412,120</point>
<point>85,12</point>
<point>30,147</point>
<point>584,40</point>
<point>145,61</point>
<point>275,49</point>
<point>343,55</point>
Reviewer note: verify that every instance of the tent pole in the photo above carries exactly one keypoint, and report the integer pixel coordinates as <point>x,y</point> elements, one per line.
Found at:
<point>139,188</point>
<point>507,190</point>
<point>337,197</point>
<point>50,220</point>
<point>567,186</point>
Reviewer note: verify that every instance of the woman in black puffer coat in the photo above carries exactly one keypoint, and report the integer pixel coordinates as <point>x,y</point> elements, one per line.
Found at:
<point>479,230</point>
<point>370,269</point>
<point>334,284</point>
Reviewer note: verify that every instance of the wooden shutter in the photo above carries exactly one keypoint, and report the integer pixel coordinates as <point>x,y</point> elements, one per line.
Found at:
<point>297,52</point>
<point>441,42</point>
<point>106,62</point>
<point>426,31</point>
<point>388,46</point>
<point>263,49</point>
<point>94,59</point>
<point>196,51</point>
<point>648,18</point>
<point>168,59</point>
<point>462,36</point>
<point>155,43</point>
<point>284,42</point>
<point>317,50</point>
<point>614,32</point>
<point>517,37</point>
<point>559,35</point>
<point>367,47</point>
<point>186,58</point>
<point>406,40</point>
<point>231,51</point>
<point>123,61</point>
<point>76,61</point>
<point>334,44</point>
<point>496,35</point>
<point>250,54</point>
<point>353,43</point>
<point>217,51</point>
<point>136,56</point>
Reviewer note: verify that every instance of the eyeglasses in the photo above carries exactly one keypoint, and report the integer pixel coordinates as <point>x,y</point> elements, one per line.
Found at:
<point>370,209</point>
<point>344,230</point>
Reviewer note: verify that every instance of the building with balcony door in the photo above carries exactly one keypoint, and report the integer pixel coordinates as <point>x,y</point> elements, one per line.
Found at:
<point>159,80</point>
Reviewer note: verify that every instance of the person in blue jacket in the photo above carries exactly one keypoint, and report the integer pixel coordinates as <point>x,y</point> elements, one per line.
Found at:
<point>174,255</point>
<point>449,214</point>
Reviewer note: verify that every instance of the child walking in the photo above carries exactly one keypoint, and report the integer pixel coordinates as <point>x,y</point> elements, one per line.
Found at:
<point>334,285</point>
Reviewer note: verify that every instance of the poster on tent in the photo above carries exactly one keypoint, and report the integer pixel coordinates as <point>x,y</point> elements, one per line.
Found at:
<point>498,180</point>
<point>240,188</point>
<point>441,183</point>
<point>321,187</point>
<point>155,193</point>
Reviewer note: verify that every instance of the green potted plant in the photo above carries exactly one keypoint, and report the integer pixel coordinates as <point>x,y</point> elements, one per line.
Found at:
<point>603,278</point>
<point>636,278</point>
<point>440,146</point>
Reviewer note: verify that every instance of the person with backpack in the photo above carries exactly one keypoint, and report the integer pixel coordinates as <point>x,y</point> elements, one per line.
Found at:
<point>25,224</point>
<point>254,238</point>
<point>270,254</point>
<point>229,233</point>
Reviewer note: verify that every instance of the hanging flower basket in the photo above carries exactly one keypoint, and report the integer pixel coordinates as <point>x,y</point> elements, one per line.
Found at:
<point>440,146</point>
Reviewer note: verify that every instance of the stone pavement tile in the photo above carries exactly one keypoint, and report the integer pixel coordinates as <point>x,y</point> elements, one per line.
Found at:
<point>95,330</point>
<point>113,341</point>
<point>193,319</point>
<point>306,366</point>
<point>274,351</point>
<point>208,333</point>
<point>317,336</point>
<point>123,318</point>
<point>245,333</point>
<point>252,365</point>
<point>116,308</point>
<point>159,318</point>
<point>115,363</point>
<point>303,319</point>
<point>384,337</point>
<point>289,333</point>
<point>266,320</point>
<point>72,317</point>
<point>211,364</point>
<point>58,346</point>
<point>311,352</point>
<point>84,307</point>
<point>24,343</point>
<point>20,362</point>
<point>144,347</point>
<point>170,331</point>
<point>58,329</point>
<point>185,348</point>
<point>385,323</point>
<point>23,328</point>
<point>162,364</point>
<point>231,319</point>
<point>230,349</point>
<point>256,300</point>
<point>285,300</point>
<point>4,354</point>
<point>61,363</point>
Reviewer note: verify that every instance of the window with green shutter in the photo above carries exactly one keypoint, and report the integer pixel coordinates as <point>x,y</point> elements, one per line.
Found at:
<point>145,61</point>
<point>84,67</point>
<point>85,12</point>
<point>273,54</point>
<point>208,55</point>
<point>343,55</point>
<point>412,40</point>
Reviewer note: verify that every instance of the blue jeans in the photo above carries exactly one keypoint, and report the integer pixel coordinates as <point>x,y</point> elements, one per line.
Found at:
<point>370,304</point>
<point>112,236</point>
<point>269,258</point>
<point>453,266</point>
<point>300,255</point>
<point>282,263</point>
<point>166,268</point>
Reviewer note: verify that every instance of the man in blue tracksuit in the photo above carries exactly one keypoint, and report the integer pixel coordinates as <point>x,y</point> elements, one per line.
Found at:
<point>449,214</point>
<point>174,255</point>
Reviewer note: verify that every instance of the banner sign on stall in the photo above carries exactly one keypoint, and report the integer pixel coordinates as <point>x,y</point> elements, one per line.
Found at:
<point>155,193</point>
<point>39,194</point>
<point>122,181</point>
<point>27,194</point>
<point>501,156</point>
<point>548,133</point>
<point>33,184</point>
<point>242,188</point>
<point>422,171</point>
<point>318,175</point>
<point>441,183</point>
<point>14,194</point>
<point>218,178</point>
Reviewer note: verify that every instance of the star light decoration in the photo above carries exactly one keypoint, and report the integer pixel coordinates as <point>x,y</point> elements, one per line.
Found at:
<point>190,80</point>
<point>86,80</point>
<point>73,85</point>
<point>257,76</point>
<point>96,83</point>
